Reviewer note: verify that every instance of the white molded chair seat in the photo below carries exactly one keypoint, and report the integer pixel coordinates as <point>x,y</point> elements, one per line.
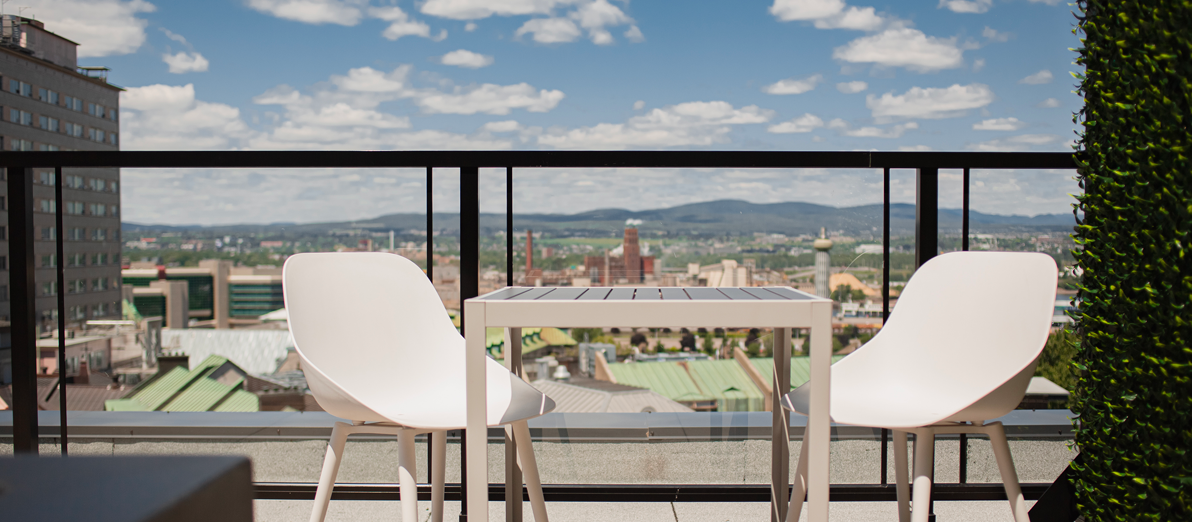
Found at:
<point>960,349</point>
<point>378,348</point>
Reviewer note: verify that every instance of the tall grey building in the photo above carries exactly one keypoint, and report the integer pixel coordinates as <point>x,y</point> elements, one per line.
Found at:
<point>48,103</point>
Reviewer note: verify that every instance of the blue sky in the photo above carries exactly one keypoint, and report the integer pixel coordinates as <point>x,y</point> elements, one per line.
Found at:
<point>574,74</point>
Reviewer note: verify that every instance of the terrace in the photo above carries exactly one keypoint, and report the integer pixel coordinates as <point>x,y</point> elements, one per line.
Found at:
<point>690,466</point>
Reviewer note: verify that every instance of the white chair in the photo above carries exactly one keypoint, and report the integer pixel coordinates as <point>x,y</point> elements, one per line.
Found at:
<point>378,348</point>
<point>959,350</point>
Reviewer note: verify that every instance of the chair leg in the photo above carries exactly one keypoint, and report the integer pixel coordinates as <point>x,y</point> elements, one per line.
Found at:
<point>800,488</point>
<point>529,467</point>
<point>1005,464</point>
<point>900,477</point>
<point>438,462</point>
<point>924,470</point>
<point>407,475</point>
<point>335,450</point>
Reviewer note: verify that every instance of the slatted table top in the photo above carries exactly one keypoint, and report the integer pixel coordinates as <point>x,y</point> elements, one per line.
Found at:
<point>629,293</point>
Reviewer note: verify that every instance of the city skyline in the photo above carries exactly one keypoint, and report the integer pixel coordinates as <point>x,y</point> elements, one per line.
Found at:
<point>566,74</point>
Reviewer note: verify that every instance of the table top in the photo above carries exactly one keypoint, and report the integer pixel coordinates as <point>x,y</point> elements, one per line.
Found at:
<point>629,293</point>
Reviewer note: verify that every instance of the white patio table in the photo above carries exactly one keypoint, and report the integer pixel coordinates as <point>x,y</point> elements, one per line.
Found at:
<point>781,308</point>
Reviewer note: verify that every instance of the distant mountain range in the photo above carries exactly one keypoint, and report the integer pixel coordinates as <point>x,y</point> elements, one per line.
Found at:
<point>722,217</point>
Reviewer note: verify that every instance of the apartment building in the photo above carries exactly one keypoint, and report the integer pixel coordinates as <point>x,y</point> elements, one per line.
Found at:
<point>48,103</point>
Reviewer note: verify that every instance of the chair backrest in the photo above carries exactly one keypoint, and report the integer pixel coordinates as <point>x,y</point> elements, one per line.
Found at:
<point>966,324</point>
<point>367,325</point>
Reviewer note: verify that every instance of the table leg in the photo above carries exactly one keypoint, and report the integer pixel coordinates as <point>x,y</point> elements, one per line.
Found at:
<point>818,434</point>
<point>513,476</point>
<point>780,438</point>
<point>477,425</point>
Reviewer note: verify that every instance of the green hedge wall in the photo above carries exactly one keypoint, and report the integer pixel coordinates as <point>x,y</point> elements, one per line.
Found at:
<point>1135,318</point>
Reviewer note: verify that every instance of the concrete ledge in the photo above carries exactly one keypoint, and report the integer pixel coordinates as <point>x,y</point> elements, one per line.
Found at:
<point>553,427</point>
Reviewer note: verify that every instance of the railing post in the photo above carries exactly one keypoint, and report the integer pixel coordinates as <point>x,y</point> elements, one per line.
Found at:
<point>927,203</point>
<point>469,279</point>
<point>60,269</point>
<point>23,311</point>
<point>885,434</point>
<point>509,226</point>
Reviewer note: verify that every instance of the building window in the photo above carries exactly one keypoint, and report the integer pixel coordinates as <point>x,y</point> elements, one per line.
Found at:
<point>99,284</point>
<point>98,209</point>
<point>22,145</point>
<point>76,313</point>
<point>74,129</point>
<point>98,185</point>
<point>76,234</point>
<point>3,202</point>
<point>98,234</point>
<point>74,207</point>
<point>112,138</point>
<point>49,288</point>
<point>114,210</point>
<point>45,147</point>
<point>49,234</point>
<point>3,262</point>
<point>21,88</point>
<point>20,117</point>
<point>4,292</point>
<point>115,186</point>
<point>4,236</point>
<point>48,123</point>
<point>73,103</point>
<point>76,286</point>
<point>47,206</point>
<point>75,260</point>
<point>74,182</point>
<point>49,261</point>
<point>47,96</point>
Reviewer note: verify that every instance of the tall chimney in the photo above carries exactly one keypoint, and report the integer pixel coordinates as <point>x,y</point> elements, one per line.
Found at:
<point>822,260</point>
<point>633,258</point>
<point>529,251</point>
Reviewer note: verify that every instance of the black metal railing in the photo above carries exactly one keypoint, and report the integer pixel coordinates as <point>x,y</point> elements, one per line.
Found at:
<point>18,167</point>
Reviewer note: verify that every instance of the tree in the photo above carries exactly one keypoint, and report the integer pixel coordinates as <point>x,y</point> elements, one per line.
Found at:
<point>638,339</point>
<point>687,343</point>
<point>708,348</point>
<point>1056,361</point>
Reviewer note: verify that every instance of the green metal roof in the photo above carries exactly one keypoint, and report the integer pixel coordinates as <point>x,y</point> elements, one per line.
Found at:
<point>532,339</point>
<point>728,382</point>
<point>240,400</point>
<point>800,368</point>
<point>183,390</point>
<point>203,395</point>
<point>668,379</point>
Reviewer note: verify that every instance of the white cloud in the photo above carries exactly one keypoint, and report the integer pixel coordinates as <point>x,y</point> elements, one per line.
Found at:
<point>101,27</point>
<point>1038,78</point>
<point>828,14</point>
<point>895,131</point>
<point>903,47</point>
<point>367,79</point>
<point>166,117</point>
<point>1000,124</point>
<point>995,36</point>
<point>478,9</point>
<point>915,148</point>
<point>184,62</point>
<point>685,124</point>
<point>1048,2</point>
<point>852,87</point>
<point>597,15</point>
<point>930,103</point>
<point>491,99</point>
<point>466,58</point>
<point>794,86</point>
<point>791,10</point>
<point>863,19</point>
<point>339,12</point>
<point>343,115</point>
<point>400,23</point>
<point>550,30</point>
<point>633,34</point>
<point>471,26</point>
<point>638,105</point>
<point>978,64</point>
<point>502,126</point>
<point>1049,103</point>
<point>175,36</point>
<point>1018,143</point>
<point>805,123</point>
<point>966,6</point>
